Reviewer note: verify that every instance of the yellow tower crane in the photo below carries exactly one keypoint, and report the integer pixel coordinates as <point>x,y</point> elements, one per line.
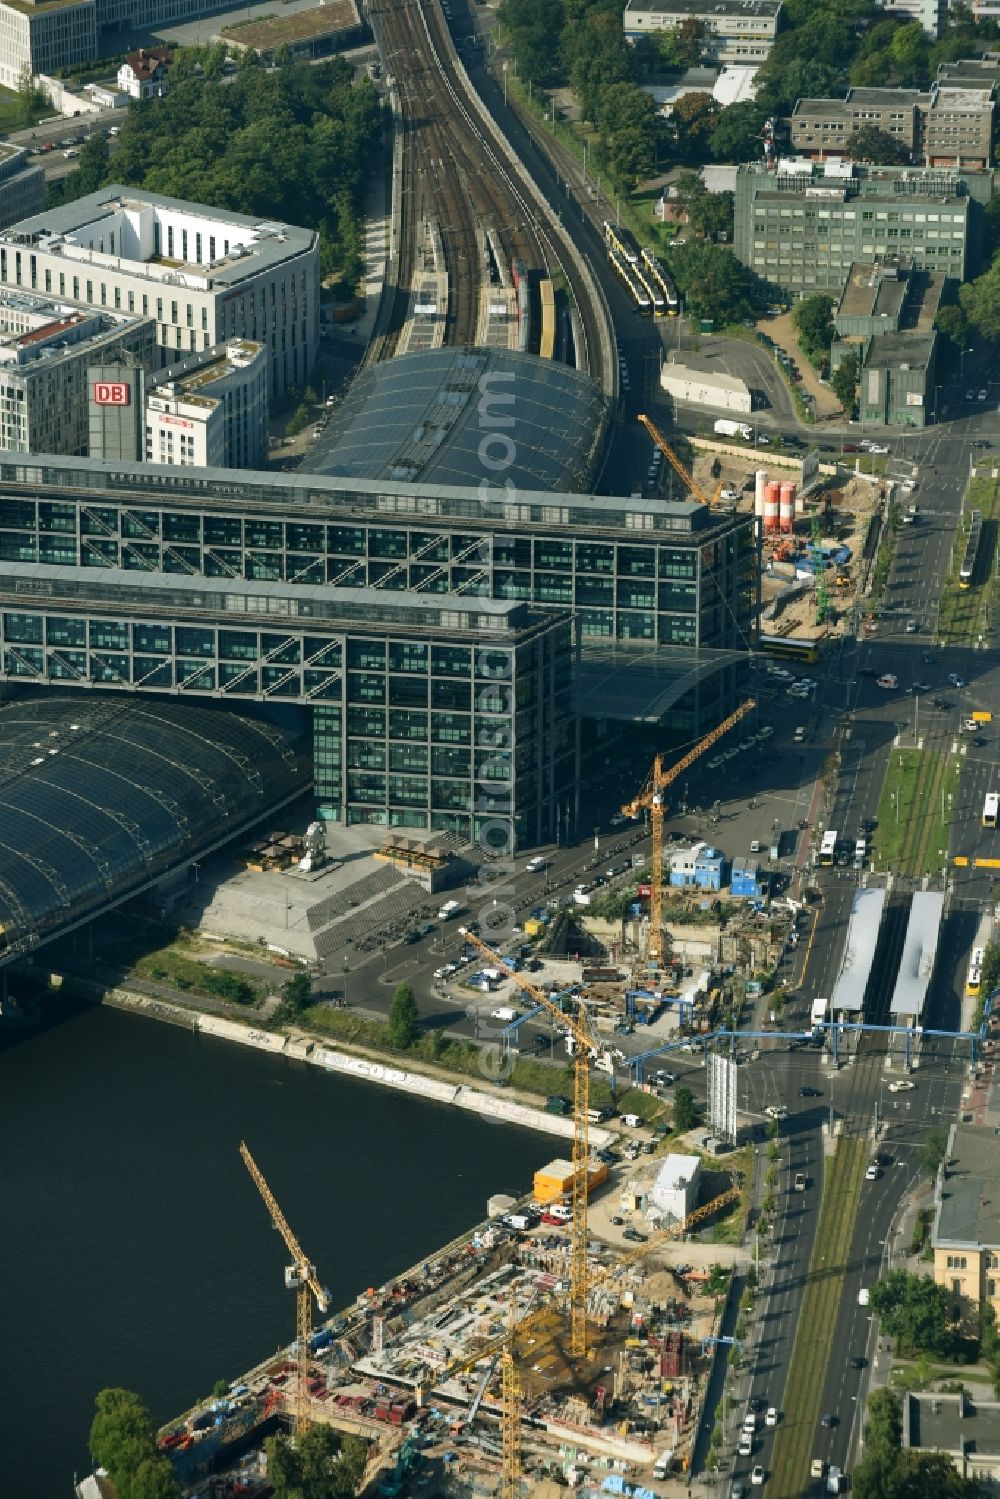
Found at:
<point>584,1045</point>
<point>651,799</point>
<point>300,1276</point>
<point>505,1344</point>
<point>676,464</point>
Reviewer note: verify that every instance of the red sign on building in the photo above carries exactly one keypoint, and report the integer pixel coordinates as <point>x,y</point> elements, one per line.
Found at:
<point>111,393</point>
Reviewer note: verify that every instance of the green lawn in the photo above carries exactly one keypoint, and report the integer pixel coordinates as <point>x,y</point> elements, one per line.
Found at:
<point>964,613</point>
<point>796,1436</point>
<point>912,834</point>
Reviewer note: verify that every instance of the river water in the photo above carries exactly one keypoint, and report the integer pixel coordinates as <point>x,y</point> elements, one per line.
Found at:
<point>134,1248</point>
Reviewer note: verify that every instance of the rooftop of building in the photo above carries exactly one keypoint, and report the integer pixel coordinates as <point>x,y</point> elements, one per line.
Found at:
<point>281,31</point>
<point>196,375</point>
<point>908,349</point>
<point>874,290</point>
<point>920,945</point>
<point>971,70</point>
<point>148,60</point>
<point>953,1423</point>
<point>706,8</point>
<point>967,1193</point>
<point>859,950</point>
<point>92,789</point>
<point>885,98</point>
<point>820,107</point>
<point>848,179</point>
<point>260,244</point>
<point>313,497</point>
<point>469,417</point>
<point>53,328</point>
<point>382,610</point>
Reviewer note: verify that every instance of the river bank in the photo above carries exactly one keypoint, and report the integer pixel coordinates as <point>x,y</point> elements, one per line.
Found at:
<point>426,1082</point>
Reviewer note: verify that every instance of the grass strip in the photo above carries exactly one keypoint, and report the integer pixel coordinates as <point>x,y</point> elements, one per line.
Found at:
<point>793,1448</point>
<point>964,614</point>
<point>914,811</point>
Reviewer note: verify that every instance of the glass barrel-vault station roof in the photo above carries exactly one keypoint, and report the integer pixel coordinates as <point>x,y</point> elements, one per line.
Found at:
<point>468,417</point>
<point>101,795</point>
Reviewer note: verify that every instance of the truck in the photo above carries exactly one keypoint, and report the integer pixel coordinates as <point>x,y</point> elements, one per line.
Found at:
<point>449,909</point>
<point>725,427</point>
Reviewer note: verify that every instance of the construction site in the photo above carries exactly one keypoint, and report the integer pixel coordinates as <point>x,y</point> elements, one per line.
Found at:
<point>569,1338</point>
<point>819,528</point>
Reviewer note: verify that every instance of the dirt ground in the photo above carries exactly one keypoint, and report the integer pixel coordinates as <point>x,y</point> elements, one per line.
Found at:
<point>782,330</point>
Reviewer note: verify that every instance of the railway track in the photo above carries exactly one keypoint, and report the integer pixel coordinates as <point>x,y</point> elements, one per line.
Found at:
<point>455,177</point>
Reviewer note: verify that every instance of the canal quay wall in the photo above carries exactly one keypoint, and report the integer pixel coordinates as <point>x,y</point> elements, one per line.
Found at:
<point>434,1087</point>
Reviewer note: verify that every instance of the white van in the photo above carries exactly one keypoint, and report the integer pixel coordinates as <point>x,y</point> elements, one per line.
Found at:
<point>536,865</point>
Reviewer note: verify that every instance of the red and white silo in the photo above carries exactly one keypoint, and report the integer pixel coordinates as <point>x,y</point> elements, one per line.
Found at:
<point>772,507</point>
<point>786,506</point>
<point>759,486</point>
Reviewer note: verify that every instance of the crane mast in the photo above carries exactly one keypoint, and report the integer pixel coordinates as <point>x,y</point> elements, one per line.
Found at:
<point>584,1045</point>
<point>675,463</point>
<point>651,798</point>
<point>300,1276</point>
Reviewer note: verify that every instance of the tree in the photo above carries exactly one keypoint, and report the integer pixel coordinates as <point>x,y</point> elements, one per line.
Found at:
<point>877,147</point>
<point>912,1309</point>
<point>933,1149</point>
<point>813,319</point>
<point>844,381</point>
<point>909,51</point>
<point>123,1441</point>
<point>685,1110</point>
<point>736,134</point>
<point>322,1465</point>
<point>694,117</point>
<point>404,1018</point>
<point>980,301</point>
<point>154,1479</point>
<point>297,992</point>
<point>712,281</point>
<point>952,322</point>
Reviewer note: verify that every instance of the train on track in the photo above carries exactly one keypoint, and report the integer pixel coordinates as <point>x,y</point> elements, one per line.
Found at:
<point>521,277</point>
<point>645,279</point>
<point>547,330</point>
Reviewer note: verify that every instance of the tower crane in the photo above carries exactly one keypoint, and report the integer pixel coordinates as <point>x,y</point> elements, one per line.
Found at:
<point>505,1345</point>
<point>584,1046</point>
<point>651,798</point>
<point>676,464</point>
<point>300,1276</point>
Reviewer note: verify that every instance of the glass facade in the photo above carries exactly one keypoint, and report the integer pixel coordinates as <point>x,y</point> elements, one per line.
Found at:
<point>433,635</point>
<point>672,591</point>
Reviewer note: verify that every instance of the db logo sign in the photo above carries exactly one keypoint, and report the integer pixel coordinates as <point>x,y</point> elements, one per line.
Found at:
<point>108,394</point>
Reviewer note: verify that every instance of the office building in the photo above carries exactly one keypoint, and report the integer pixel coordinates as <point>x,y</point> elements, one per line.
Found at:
<point>736,31</point>
<point>962,1426</point>
<point>965,1234</point>
<point>801,227</point>
<point>948,126</point>
<point>205,276</point>
<point>211,410</point>
<point>22,185</point>
<point>321,593</point>
<point>886,317</point>
<point>52,35</point>
<point>46,348</point>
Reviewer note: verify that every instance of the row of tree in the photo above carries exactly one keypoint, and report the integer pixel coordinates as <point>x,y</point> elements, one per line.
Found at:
<point>291,143</point>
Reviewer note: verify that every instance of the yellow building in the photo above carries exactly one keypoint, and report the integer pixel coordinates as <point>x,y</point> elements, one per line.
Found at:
<point>966,1232</point>
<point>555,1181</point>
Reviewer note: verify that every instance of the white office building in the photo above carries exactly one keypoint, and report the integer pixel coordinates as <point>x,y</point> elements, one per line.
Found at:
<point>45,350</point>
<point>210,412</point>
<point>205,277</point>
<point>737,32</point>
